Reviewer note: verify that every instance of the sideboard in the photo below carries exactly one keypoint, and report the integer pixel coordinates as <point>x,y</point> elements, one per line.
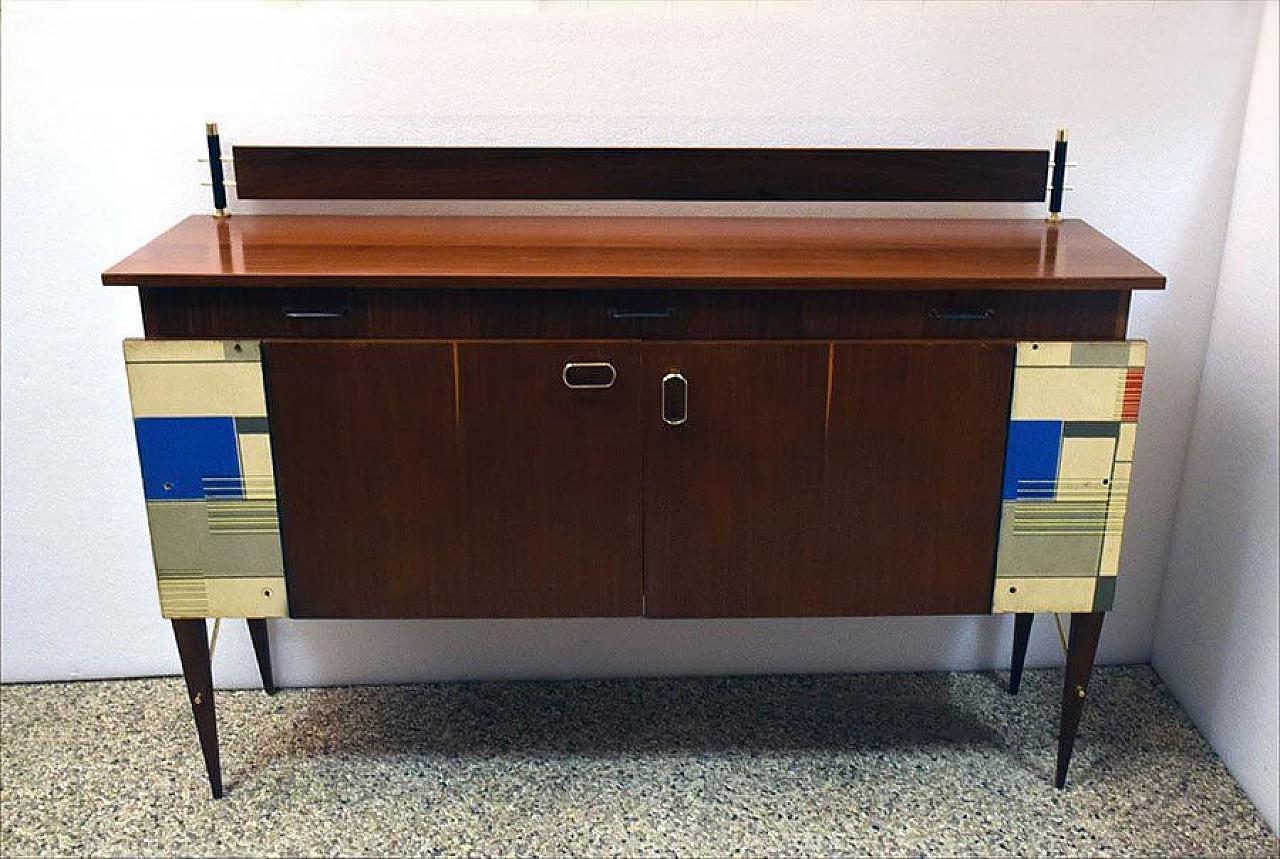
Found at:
<point>667,417</point>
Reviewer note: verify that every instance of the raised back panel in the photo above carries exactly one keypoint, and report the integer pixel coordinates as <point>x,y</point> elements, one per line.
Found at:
<point>435,173</point>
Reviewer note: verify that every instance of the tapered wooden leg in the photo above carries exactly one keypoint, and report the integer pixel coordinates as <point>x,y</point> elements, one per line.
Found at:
<point>1021,635</point>
<point>262,650</point>
<point>193,649</point>
<point>1082,646</point>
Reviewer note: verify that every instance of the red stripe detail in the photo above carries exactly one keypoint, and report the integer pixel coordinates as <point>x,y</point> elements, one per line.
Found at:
<point>1132,395</point>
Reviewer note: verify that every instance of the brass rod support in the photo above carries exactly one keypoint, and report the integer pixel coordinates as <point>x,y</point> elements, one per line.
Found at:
<point>213,639</point>
<point>1062,634</point>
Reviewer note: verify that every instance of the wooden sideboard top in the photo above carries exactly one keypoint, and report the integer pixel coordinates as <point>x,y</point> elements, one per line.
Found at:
<point>567,252</point>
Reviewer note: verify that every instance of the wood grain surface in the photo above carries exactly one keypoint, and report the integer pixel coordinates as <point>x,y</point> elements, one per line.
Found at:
<point>824,479</point>
<point>631,314</point>
<point>437,479</point>
<point>646,253</point>
<point>528,173</point>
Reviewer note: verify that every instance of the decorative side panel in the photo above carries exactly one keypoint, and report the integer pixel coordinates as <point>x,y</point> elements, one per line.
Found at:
<point>1072,424</point>
<point>204,443</point>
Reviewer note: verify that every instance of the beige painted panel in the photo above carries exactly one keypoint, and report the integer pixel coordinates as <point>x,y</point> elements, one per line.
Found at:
<point>1132,353</point>
<point>1043,595</point>
<point>242,350</point>
<point>137,351</point>
<point>192,390</point>
<point>1067,394</point>
<point>264,597</point>
<point>256,465</point>
<point>1127,442</point>
<point>248,597</point>
<point>1043,354</point>
<point>1116,510</point>
<point>169,351</point>
<point>1082,466</point>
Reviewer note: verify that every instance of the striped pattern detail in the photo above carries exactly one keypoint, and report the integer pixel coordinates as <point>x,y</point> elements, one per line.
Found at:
<point>183,597</point>
<point>1132,396</point>
<point>243,505</point>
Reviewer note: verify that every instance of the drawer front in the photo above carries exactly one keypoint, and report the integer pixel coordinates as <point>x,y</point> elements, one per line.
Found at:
<point>656,314</point>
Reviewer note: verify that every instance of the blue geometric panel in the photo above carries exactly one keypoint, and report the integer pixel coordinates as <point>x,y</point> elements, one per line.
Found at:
<point>1031,460</point>
<point>178,454</point>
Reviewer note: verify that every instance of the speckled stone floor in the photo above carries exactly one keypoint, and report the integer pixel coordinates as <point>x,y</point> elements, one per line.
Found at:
<point>908,764</point>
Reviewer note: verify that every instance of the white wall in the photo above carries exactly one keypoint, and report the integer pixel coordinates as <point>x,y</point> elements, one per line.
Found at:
<point>1217,641</point>
<point>103,106</point>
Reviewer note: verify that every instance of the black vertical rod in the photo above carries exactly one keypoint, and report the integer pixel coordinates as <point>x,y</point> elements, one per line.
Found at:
<point>215,169</point>
<point>1058,183</point>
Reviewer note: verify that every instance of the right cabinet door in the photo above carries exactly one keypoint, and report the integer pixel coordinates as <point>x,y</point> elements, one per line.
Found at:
<point>793,479</point>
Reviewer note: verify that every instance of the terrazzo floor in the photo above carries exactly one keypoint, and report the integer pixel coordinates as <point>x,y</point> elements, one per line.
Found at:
<point>906,764</point>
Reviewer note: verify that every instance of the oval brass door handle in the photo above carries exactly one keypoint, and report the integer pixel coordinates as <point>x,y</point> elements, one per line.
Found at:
<point>675,399</point>
<point>591,375</point>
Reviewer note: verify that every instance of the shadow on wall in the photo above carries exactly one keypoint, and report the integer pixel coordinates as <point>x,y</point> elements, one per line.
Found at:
<point>1168,404</point>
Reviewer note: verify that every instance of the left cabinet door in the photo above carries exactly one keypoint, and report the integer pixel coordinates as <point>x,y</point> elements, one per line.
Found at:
<point>457,479</point>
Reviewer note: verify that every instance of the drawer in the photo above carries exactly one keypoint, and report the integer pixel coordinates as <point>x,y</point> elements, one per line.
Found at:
<point>656,314</point>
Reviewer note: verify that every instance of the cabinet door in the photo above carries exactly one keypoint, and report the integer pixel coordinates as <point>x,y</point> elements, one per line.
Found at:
<point>823,479</point>
<point>439,479</point>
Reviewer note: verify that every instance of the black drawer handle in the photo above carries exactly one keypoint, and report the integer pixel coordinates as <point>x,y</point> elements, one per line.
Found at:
<point>665,313</point>
<point>967,314</point>
<point>304,313</point>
